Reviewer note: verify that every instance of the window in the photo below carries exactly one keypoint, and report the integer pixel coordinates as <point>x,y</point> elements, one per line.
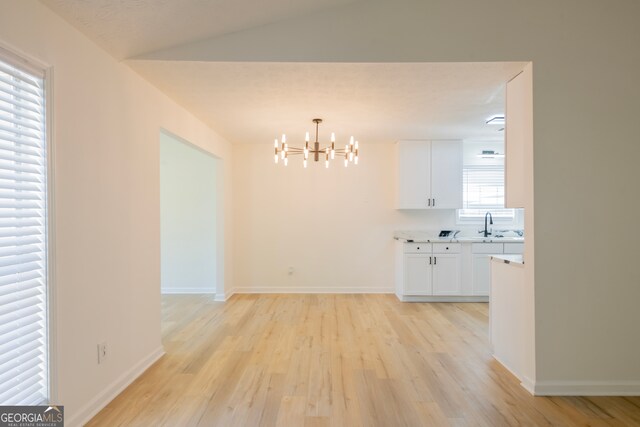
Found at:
<point>23,236</point>
<point>482,192</point>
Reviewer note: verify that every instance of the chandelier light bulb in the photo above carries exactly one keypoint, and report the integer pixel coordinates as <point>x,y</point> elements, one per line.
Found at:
<point>333,138</point>
<point>286,147</point>
<point>333,154</point>
<point>346,162</point>
<point>306,137</point>
<point>286,160</point>
<point>351,141</point>
<point>355,160</point>
<point>350,156</point>
<point>284,138</point>
<point>304,162</point>
<point>282,154</point>
<point>356,146</point>
<point>275,143</point>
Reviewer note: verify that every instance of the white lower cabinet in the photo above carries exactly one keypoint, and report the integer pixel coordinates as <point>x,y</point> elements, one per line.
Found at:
<point>417,274</point>
<point>480,266</point>
<point>481,274</point>
<point>446,274</point>
<point>447,271</point>
<point>429,270</point>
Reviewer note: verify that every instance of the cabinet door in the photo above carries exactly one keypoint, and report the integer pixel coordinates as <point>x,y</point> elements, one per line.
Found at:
<point>519,139</point>
<point>414,179</point>
<point>417,275</point>
<point>446,174</point>
<point>446,274</point>
<point>481,274</point>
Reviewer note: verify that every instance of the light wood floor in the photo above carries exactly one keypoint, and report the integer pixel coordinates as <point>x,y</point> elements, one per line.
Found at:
<point>340,360</point>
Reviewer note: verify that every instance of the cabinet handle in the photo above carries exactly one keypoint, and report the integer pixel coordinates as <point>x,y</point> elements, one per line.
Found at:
<point>429,260</point>
<point>429,202</point>
<point>435,260</point>
<point>434,203</point>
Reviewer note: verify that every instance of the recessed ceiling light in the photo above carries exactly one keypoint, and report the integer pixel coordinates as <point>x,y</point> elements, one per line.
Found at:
<point>495,120</point>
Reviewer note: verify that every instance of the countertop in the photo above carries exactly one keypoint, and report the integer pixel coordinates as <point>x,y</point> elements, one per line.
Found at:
<point>429,237</point>
<point>516,260</point>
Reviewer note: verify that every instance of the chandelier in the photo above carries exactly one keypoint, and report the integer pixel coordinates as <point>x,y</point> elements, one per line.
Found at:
<point>349,152</point>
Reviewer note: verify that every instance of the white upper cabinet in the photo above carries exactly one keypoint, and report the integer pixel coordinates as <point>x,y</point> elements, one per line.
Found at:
<point>446,174</point>
<point>414,174</point>
<point>429,175</point>
<point>518,138</point>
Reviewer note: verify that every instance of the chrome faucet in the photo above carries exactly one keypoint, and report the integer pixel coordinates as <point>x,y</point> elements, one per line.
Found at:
<point>486,231</point>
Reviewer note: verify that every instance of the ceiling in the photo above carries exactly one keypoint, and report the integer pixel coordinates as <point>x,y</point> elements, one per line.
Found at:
<point>253,102</point>
<point>127,28</point>
<point>381,102</point>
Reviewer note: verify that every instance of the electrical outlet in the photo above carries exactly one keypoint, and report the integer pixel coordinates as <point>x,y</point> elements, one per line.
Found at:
<point>102,352</point>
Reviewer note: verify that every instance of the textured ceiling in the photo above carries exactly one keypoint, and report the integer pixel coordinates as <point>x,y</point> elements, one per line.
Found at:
<point>127,28</point>
<point>254,102</point>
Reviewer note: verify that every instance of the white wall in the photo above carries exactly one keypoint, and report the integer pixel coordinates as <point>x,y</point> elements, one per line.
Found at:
<point>333,226</point>
<point>107,204</point>
<point>585,88</point>
<point>187,218</point>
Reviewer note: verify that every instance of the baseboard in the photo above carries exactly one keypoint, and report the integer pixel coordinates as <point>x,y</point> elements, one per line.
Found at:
<point>173,291</point>
<point>525,382</point>
<point>433,298</point>
<point>587,388</point>
<point>528,385</point>
<point>507,367</point>
<point>312,290</point>
<point>96,404</point>
<point>222,297</point>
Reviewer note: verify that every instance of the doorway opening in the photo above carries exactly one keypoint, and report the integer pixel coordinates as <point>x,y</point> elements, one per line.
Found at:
<point>189,218</point>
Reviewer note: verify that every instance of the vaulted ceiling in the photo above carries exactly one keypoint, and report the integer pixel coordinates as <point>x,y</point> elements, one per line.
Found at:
<point>252,102</point>
<point>127,28</point>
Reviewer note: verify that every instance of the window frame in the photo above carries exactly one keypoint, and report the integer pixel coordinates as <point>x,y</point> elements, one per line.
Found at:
<point>479,219</point>
<point>27,63</point>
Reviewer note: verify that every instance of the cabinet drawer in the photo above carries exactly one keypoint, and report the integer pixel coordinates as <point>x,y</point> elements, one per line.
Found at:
<point>486,248</point>
<point>447,248</point>
<point>514,248</point>
<point>417,248</point>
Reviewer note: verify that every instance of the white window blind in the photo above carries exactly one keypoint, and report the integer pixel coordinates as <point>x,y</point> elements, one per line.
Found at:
<point>23,238</point>
<point>483,191</point>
